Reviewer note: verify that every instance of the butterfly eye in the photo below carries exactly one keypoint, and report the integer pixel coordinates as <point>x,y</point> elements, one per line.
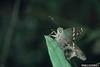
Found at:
<point>82,29</point>
<point>60,31</point>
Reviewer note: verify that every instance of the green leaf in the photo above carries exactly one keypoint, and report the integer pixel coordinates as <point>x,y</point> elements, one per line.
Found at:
<point>56,54</point>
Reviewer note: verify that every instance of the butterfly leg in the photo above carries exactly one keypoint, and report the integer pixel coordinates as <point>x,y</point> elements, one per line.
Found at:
<point>53,34</point>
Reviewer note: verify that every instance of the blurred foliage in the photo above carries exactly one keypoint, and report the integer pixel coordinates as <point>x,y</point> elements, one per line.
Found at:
<point>26,45</point>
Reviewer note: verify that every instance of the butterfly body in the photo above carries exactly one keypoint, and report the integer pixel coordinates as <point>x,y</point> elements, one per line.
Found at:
<point>65,39</point>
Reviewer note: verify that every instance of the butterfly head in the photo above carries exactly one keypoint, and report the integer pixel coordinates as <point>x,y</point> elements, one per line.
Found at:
<point>60,30</point>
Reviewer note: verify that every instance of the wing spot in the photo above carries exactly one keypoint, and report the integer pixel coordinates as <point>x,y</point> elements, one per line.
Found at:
<point>82,29</point>
<point>73,38</point>
<point>73,34</point>
<point>77,34</point>
<point>73,29</point>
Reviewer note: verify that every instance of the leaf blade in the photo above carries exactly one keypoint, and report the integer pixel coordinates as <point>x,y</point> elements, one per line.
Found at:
<point>56,54</point>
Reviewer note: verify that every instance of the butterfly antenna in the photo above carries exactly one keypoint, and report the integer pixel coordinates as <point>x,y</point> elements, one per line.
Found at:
<point>53,21</point>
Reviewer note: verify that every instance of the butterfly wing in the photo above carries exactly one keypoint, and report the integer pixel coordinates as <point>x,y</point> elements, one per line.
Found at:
<point>68,34</point>
<point>79,53</point>
<point>78,33</point>
<point>71,34</point>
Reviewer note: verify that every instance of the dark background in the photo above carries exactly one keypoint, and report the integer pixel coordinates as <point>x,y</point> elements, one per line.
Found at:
<point>23,24</point>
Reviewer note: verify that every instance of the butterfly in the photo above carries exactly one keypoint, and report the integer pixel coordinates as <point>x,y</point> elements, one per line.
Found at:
<point>65,38</point>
